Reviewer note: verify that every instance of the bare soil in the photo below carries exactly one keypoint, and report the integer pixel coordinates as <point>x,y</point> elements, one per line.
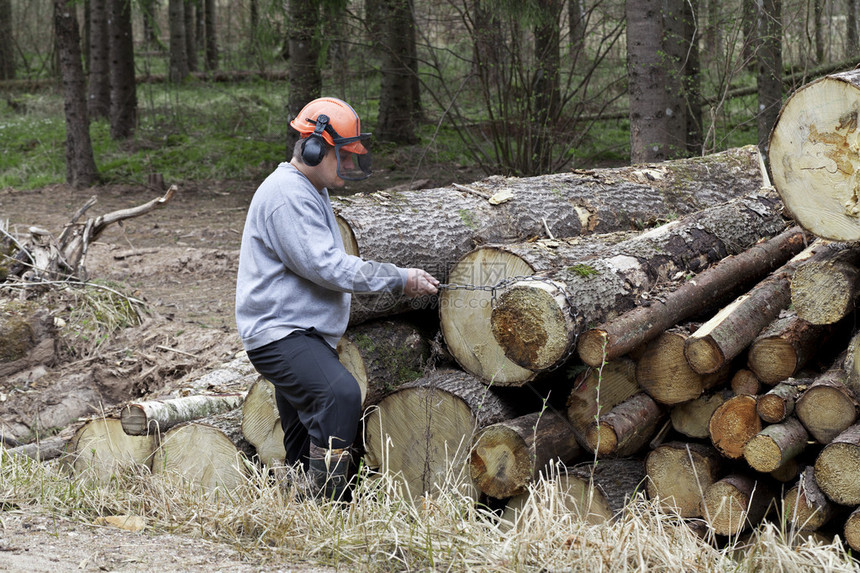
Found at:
<point>181,260</point>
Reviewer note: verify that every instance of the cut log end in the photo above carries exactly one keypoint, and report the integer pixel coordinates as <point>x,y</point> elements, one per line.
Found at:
<point>837,471</point>
<point>763,454</point>
<point>704,355</point>
<point>591,347</point>
<point>602,439</point>
<point>733,424</point>
<point>822,297</point>
<point>530,326</point>
<point>499,469</point>
<point>133,419</point>
<point>852,530</point>
<point>772,360</point>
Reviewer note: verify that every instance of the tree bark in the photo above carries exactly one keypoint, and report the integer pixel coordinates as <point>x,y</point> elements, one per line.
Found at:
<point>734,328</point>
<point>734,503</point>
<point>784,347</point>
<point>532,324</point>
<point>7,41</point>
<point>190,37</point>
<point>779,402</point>
<point>691,418</point>
<point>178,67</point>
<point>811,162</point>
<point>645,322</point>
<point>597,391</point>
<point>423,431</point>
<point>98,104</point>
<point>211,35</point>
<point>806,506</point>
<point>81,168</point>
<point>123,85</point>
<point>678,475</point>
<point>771,448</point>
<point>396,116</point>
<point>507,456</point>
<point>303,30</point>
<point>616,482</point>
<point>734,424</point>
<point>837,468</point>
<point>626,428</point>
<point>827,407</point>
<point>158,416</point>
<point>663,372</point>
<point>383,355</point>
<point>100,449</point>
<point>769,63</point>
<point>825,292</point>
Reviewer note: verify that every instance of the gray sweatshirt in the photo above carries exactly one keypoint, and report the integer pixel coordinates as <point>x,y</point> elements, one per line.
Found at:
<point>293,271</point>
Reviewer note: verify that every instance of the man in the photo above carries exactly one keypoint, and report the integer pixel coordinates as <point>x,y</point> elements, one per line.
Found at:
<point>293,290</point>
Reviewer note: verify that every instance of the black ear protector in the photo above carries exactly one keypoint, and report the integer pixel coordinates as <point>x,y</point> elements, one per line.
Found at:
<point>314,146</point>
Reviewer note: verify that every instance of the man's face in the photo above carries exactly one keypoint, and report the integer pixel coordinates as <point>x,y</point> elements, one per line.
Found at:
<point>327,171</point>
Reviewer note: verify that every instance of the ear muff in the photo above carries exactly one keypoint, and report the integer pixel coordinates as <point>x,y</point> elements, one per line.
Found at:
<point>314,146</point>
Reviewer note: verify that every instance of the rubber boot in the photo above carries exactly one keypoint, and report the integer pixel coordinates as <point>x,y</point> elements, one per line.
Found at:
<point>328,471</point>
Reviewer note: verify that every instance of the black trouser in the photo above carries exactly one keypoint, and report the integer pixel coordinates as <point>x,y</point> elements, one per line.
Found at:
<point>318,399</point>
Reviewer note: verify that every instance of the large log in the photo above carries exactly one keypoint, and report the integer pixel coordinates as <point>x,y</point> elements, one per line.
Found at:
<point>733,328</point>
<point>813,160</point>
<point>663,372</point>
<point>678,475</point>
<point>635,327</point>
<point>626,428</point>
<point>156,416</point>
<point>825,292</point>
<point>837,468</point>
<point>733,424</point>
<point>599,390</point>
<point>806,506</point>
<point>409,227</point>
<point>100,449</point>
<point>382,355</point>
<point>423,431</point>
<point>736,503</point>
<point>507,456</point>
<point>784,347</point>
<point>775,445</point>
<point>261,423</point>
<point>827,407</point>
<point>535,322</point>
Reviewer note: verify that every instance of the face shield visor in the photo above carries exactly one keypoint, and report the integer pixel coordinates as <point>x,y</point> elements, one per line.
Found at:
<point>353,157</point>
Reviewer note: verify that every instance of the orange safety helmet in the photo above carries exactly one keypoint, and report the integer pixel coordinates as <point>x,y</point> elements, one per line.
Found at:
<point>334,121</point>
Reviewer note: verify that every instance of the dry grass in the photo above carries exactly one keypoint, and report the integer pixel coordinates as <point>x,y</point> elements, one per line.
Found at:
<point>382,531</point>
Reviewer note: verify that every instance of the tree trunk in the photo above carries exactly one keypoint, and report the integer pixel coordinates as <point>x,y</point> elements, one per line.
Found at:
<point>80,163</point>
<point>811,164</point>
<point>303,30</point>
<point>771,448</point>
<point>533,325</point>
<point>626,428</point>
<point>190,37</point>
<point>201,455</point>
<point>778,404</point>
<point>7,41</point>
<point>784,347</point>
<point>40,450</point>
<point>852,37</point>
<point>546,87</point>
<point>643,323</point>
<point>100,449</point>
<point>123,86</point>
<point>599,390</point>
<point>98,104</point>
<point>507,456</point>
<point>383,355</point>
<point>733,424</point>
<point>663,372</point>
<point>735,503</point>
<point>396,118</point>
<point>837,468</point>
<point>825,292</point>
<point>678,475</point>
<point>769,61</point>
<point>657,112</point>
<point>423,432</point>
<point>211,35</point>
<point>261,423</point>
<point>178,67</point>
<point>691,418</point>
<point>806,506</point>
<point>827,407</point>
<point>734,328</point>
<point>158,416</point>
<point>818,30</point>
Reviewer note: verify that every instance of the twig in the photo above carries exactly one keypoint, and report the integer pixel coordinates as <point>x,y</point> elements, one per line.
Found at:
<point>470,190</point>
<point>545,226</point>
<point>176,351</point>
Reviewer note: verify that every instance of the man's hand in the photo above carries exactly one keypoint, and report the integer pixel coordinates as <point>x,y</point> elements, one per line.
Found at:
<point>419,283</point>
